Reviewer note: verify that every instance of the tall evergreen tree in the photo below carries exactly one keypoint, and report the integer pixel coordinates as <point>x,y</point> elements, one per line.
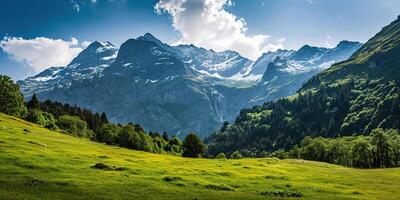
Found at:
<point>103,118</point>
<point>165,136</point>
<point>34,103</point>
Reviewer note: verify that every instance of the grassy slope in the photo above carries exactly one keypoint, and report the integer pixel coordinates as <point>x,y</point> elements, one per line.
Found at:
<point>62,170</point>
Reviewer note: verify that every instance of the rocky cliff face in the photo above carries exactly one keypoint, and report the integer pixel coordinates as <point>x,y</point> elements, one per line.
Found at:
<point>177,89</point>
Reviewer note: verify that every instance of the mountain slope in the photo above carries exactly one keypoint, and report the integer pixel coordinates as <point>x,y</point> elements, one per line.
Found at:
<point>177,89</point>
<point>352,97</point>
<point>41,164</point>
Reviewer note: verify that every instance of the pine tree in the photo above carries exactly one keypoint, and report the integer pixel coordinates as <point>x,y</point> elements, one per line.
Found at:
<point>103,118</point>
<point>165,136</point>
<point>33,103</point>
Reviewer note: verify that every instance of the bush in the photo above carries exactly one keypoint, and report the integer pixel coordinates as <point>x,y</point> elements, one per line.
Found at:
<point>174,146</point>
<point>108,133</point>
<point>236,155</point>
<point>74,126</point>
<point>130,138</point>
<point>42,118</point>
<point>220,156</point>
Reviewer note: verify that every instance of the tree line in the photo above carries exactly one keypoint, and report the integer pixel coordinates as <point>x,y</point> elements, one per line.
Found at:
<point>380,149</point>
<point>80,122</point>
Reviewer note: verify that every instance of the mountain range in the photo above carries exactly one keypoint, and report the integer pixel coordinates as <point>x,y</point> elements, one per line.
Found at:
<point>178,89</point>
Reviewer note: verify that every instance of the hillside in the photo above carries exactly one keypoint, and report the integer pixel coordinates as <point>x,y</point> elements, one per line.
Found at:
<point>40,164</point>
<point>350,98</point>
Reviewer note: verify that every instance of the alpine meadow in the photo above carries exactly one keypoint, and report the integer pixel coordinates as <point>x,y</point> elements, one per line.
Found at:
<point>225,99</point>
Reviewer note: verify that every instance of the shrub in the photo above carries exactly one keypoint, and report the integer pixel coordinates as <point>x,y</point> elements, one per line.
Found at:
<point>133,138</point>
<point>174,146</point>
<point>220,156</point>
<point>42,118</point>
<point>74,126</point>
<point>108,133</point>
<point>236,155</point>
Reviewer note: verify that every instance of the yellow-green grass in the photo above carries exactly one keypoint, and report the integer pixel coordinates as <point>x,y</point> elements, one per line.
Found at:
<point>36,163</point>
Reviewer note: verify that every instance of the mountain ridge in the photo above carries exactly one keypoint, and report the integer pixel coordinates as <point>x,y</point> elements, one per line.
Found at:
<point>187,88</point>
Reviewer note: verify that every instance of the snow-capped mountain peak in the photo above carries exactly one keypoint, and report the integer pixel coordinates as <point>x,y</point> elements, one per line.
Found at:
<point>87,65</point>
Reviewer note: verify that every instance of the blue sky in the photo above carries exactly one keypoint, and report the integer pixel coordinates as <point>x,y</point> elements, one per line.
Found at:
<point>252,26</point>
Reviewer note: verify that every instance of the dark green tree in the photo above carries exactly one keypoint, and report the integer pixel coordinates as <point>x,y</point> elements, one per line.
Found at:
<point>361,153</point>
<point>34,103</point>
<point>165,136</point>
<point>193,146</point>
<point>380,140</point>
<point>103,118</point>
<point>11,99</point>
<point>174,146</point>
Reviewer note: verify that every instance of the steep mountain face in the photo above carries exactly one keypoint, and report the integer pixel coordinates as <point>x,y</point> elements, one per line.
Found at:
<point>178,89</point>
<point>87,65</point>
<point>350,98</point>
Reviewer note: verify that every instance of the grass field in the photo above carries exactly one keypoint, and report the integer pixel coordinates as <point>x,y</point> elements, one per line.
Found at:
<point>36,163</point>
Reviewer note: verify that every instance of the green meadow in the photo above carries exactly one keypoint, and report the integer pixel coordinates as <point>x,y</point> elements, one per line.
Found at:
<point>40,164</point>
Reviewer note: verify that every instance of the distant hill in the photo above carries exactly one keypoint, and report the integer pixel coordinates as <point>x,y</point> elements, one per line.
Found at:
<point>350,98</point>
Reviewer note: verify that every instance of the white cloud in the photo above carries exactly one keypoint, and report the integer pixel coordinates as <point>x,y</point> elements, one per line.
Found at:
<point>41,53</point>
<point>206,23</point>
